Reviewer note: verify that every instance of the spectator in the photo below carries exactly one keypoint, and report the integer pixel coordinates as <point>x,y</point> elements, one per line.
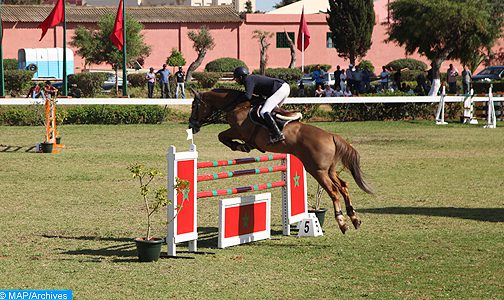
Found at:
<point>338,92</point>
<point>49,90</point>
<point>422,87</point>
<point>366,80</point>
<point>301,89</point>
<point>384,78</point>
<point>164,81</point>
<point>343,80</point>
<point>318,75</point>
<point>397,79</point>
<point>151,80</point>
<point>347,92</point>
<point>328,91</point>
<point>451,78</point>
<point>36,91</point>
<point>180,77</point>
<point>350,77</point>
<point>466,80</point>
<point>337,75</point>
<point>357,77</point>
<point>319,92</point>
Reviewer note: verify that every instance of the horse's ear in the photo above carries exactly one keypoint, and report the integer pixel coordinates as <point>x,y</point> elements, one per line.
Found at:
<point>195,92</point>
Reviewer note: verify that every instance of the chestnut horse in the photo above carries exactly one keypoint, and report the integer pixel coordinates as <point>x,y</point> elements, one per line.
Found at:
<point>319,150</point>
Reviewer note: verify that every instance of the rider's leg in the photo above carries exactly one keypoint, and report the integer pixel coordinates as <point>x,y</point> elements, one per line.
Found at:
<point>275,100</point>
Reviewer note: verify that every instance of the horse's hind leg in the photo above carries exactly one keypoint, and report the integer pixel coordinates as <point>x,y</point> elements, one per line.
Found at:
<point>343,189</point>
<point>325,182</point>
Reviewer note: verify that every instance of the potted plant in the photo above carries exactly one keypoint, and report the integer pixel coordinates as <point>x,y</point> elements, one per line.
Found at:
<point>148,247</point>
<point>319,212</point>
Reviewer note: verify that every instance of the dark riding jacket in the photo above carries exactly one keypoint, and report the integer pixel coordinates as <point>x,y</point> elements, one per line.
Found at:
<point>261,85</point>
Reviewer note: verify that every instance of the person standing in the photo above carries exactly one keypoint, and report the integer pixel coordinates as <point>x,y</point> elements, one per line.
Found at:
<point>451,78</point>
<point>384,79</point>
<point>151,80</point>
<point>337,75</point>
<point>343,80</point>
<point>180,77</point>
<point>318,76</point>
<point>164,81</point>
<point>466,79</point>
<point>397,80</point>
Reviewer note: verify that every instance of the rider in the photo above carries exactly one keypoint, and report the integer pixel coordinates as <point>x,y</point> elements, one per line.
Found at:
<point>276,90</point>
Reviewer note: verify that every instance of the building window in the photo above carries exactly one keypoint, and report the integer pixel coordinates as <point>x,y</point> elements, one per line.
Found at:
<point>329,40</point>
<point>281,39</point>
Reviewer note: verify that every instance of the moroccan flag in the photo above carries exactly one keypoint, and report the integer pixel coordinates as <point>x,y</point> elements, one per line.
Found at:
<point>117,33</point>
<point>303,29</point>
<point>55,17</point>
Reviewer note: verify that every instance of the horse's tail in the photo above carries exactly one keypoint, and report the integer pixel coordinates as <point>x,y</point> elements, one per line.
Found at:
<point>350,159</point>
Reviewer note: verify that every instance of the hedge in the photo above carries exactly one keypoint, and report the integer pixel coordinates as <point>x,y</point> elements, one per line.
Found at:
<point>89,114</point>
<point>409,63</point>
<point>89,84</point>
<point>137,80</point>
<point>287,74</point>
<point>207,79</point>
<point>10,64</point>
<point>225,64</point>
<point>17,81</point>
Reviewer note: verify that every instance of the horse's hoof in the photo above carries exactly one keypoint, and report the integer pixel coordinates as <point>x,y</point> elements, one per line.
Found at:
<point>343,228</point>
<point>356,223</point>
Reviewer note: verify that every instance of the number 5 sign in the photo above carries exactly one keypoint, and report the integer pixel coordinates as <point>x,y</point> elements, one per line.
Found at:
<point>310,226</point>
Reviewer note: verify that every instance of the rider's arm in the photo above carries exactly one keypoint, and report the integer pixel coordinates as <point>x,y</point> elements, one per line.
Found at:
<point>249,88</point>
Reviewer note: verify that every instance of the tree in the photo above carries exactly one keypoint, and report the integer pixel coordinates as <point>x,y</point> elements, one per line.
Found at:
<point>292,47</point>
<point>248,7</point>
<point>445,29</point>
<point>96,47</point>
<point>351,23</point>
<point>202,42</point>
<point>175,59</point>
<point>262,36</point>
<point>284,3</point>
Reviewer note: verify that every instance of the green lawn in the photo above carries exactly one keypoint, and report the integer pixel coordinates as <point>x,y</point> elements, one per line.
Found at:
<point>433,230</point>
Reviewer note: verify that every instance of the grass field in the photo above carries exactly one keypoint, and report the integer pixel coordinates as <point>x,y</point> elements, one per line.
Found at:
<point>433,230</point>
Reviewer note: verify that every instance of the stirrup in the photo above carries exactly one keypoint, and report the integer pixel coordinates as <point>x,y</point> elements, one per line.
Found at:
<point>276,139</point>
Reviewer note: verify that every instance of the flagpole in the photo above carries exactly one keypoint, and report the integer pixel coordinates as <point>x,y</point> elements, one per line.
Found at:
<point>65,83</point>
<point>125,73</point>
<point>2,88</point>
<point>302,53</point>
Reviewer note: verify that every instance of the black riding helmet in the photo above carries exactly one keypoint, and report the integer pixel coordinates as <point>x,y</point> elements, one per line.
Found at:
<point>240,72</point>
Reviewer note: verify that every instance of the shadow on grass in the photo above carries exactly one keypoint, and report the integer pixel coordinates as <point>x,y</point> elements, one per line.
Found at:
<point>16,149</point>
<point>478,214</point>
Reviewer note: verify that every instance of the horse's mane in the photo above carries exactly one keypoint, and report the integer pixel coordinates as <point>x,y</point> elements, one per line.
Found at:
<point>236,92</point>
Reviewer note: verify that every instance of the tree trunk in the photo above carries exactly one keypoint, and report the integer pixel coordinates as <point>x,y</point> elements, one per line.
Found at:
<point>264,57</point>
<point>116,80</point>
<point>292,47</point>
<point>195,65</point>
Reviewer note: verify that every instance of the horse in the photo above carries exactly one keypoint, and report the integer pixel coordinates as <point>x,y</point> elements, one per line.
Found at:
<point>318,150</point>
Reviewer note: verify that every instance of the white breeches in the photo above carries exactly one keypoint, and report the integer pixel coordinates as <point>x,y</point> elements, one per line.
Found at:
<point>276,99</point>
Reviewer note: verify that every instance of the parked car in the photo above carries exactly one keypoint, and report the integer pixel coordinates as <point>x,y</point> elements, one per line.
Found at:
<point>308,81</point>
<point>490,73</point>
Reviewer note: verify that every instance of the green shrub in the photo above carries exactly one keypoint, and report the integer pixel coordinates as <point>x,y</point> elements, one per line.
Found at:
<point>409,63</point>
<point>287,74</point>
<point>17,81</point>
<point>225,64</point>
<point>90,84</point>
<point>366,64</point>
<point>10,64</point>
<point>207,79</point>
<point>137,80</point>
<point>229,85</point>
<point>175,59</point>
<point>115,114</point>
<point>311,68</point>
<point>411,75</point>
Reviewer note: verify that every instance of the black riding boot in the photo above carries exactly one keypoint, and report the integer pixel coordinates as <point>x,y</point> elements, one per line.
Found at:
<point>275,134</point>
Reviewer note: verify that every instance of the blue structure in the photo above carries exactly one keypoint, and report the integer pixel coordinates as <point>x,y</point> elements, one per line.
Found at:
<point>45,62</point>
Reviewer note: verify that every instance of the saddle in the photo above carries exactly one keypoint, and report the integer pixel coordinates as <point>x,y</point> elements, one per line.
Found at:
<point>281,116</point>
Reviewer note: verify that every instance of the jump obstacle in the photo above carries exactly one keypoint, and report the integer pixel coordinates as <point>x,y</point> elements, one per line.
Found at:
<point>184,165</point>
<point>50,124</point>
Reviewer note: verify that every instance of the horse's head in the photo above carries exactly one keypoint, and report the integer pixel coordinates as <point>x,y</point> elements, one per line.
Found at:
<point>200,110</point>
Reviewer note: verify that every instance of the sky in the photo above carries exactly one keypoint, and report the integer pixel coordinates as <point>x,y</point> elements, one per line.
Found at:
<point>266,5</point>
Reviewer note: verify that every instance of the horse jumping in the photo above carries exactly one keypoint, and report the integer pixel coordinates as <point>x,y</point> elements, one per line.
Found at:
<point>318,150</point>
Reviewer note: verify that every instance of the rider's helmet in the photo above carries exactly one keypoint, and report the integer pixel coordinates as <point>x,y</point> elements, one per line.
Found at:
<point>240,73</point>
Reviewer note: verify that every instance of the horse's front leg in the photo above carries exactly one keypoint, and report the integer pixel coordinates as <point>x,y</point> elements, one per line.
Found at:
<point>228,137</point>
